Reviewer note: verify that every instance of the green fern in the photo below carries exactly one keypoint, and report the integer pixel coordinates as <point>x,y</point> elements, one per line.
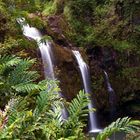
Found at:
<point>77,109</point>
<point>78,105</point>
<point>7,62</point>
<point>125,124</point>
<point>16,76</point>
<point>45,101</point>
<point>44,121</point>
<point>26,87</point>
<point>21,72</point>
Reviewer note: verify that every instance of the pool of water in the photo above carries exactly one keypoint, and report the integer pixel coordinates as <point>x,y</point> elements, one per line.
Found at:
<point>117,136</point>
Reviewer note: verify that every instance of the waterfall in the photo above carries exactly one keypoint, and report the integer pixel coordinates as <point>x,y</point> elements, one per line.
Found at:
<point>47,56</point>
<point>45,49</point>
<point>86,82</point>
<point>112,96</point>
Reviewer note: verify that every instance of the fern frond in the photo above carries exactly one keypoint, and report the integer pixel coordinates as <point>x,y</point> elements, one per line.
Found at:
<point>8,61</point>
<point>48,97</point>
<point>78,105</point>
<point>21,73</point>
<point>14,106</point>
<point>26,87</point>
<point>17,77</point>
<point>45,101</point>
<point>43,84</point>
<point>125,124</point>
<point>17,104</point>
<point>55,114</point>
<point>41,103</point>
<point>24,64</point>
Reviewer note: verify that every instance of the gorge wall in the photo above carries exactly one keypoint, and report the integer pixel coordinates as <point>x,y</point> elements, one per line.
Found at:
<point>123,73</point>
<point>122,67</point>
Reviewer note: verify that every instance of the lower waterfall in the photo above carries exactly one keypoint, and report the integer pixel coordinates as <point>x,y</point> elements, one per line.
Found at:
<point>86,82</point>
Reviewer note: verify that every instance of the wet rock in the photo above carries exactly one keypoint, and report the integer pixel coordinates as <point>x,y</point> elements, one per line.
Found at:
<point>58,29</point>
<point>70,82</point>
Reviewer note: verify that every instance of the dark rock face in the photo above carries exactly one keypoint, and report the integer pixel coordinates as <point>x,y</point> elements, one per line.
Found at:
<point>123,71</point>
<point>3,27</point>
<point>58,28</point>
<point>104,56</point>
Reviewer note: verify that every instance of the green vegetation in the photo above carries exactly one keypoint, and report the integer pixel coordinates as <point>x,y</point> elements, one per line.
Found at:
<point>120,125</point>
<point>101,23</point>
<point>43,121</point>
<point>30,107</point>
<point>34,110</point>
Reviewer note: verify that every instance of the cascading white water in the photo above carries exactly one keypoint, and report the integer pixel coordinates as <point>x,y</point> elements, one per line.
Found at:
<point>112,96</point>
<point>46,54</point>
<point>45,49</point>
<point>86,82</point>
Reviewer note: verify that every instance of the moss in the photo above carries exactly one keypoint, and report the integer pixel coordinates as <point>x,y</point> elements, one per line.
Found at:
<point>50,8</point>
<point>36,21</point>
<point>122,45</point>
<point>53,7</point>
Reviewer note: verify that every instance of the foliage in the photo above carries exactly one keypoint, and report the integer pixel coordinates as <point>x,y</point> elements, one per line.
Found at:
<point>44,38</point>
<point>77,8</point>
<point>16,77</point>
<point>25,5</point>
<point>132,136</point>
<point>51,8</point>
<point>104,23</point>
<point>11,38</point>
<point>101,23</point>
<point>18,120</point>
<point>120,125</point>
<point>34,109</point>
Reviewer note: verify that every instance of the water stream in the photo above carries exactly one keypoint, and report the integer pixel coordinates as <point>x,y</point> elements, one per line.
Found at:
<point>86,82</point>
<point>45,49</point>
<point>112,96</point>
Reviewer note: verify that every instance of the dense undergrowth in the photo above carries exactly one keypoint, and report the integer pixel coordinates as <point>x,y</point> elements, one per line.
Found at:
<point>103,23</point>
<point>33,110</point>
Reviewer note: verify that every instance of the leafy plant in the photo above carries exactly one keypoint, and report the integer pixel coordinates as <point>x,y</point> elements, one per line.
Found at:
<point>44,121</point>
<point>16,77</point>
<point>120,125</point>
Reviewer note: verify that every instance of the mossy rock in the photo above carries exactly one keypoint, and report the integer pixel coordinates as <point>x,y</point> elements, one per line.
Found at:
<point>58,28</point>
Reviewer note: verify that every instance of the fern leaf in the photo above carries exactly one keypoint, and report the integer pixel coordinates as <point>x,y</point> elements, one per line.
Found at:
<point>125,124</point>
<point>8,61</point>
<point>78,105</point>
<point>26,87</point>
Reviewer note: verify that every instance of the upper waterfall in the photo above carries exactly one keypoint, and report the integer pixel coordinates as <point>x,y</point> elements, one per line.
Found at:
<point>45,48</point>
